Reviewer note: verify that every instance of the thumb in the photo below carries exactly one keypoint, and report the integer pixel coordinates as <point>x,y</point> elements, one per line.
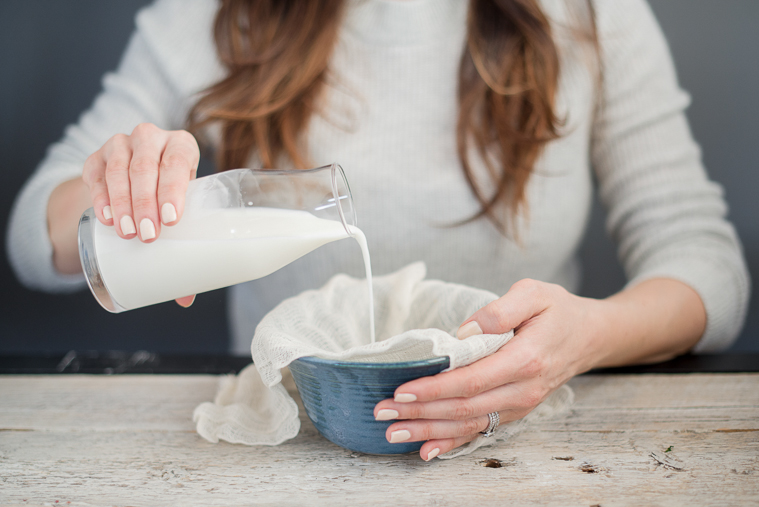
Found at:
<point>522,302</point>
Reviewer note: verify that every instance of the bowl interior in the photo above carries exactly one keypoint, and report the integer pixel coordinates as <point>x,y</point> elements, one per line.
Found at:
<point>339,397</point>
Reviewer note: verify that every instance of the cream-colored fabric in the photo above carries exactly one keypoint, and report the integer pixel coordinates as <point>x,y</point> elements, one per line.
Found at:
<point>415,319</point>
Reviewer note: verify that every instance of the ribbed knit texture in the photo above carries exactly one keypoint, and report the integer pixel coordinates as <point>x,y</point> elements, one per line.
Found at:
<point>389,119</point>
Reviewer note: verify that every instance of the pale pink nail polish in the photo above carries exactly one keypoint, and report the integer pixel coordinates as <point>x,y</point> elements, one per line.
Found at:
<point>468,329</point>
<point>107,213</point>
<point>127,225</point>
<point>404,398</point>
<point>147,229</point>
<point>399,436</point>
<point>433,453</point>
<point>168,213</point>
<point>386,414</point>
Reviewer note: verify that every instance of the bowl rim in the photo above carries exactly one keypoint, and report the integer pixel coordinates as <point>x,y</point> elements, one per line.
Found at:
<point>337,363</point>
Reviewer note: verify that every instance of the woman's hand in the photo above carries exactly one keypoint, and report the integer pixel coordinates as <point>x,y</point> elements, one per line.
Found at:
<point>138,182</point>
<point>557,336</point>
<point>550,346</point>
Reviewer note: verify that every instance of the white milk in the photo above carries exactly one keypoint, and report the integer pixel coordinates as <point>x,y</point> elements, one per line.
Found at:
<point>358,235</point>
<point>214,249</point>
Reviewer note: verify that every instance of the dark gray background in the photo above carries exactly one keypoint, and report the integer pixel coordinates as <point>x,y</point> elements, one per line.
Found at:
<point>53,55</point>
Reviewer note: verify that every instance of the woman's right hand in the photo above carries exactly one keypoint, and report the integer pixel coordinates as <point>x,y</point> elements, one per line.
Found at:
<point>138,182</point>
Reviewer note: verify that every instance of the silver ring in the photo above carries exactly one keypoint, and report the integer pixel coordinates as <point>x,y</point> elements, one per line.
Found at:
<point>495,420</point>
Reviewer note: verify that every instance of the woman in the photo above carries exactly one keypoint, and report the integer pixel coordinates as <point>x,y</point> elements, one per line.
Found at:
<point>468,132</point>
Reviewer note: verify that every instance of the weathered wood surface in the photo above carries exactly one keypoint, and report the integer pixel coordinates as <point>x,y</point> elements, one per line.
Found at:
<point>129,440</point>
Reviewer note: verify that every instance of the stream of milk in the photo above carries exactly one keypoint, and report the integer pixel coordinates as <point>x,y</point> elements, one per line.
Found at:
<point>215,249</point>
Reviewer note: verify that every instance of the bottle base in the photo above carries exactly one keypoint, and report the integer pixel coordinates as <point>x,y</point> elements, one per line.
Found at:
<point>90,265</point>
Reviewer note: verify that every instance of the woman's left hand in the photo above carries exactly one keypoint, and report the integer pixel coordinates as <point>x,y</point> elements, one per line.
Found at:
<point>553,342</point>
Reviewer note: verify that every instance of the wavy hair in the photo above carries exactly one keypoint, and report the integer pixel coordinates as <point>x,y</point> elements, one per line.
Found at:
<point>277,53</point>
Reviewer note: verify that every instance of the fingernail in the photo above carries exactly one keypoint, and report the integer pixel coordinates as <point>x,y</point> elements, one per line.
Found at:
<point>433,453</point>
<point>404,398</point>
<point>386,414</point>
<point>399,436</point>
<point>147,229</point>
<point>107,213</point>
<point>127,225</point>
<point>168,213</point>
<point>468,329</point>
<point>189,304</point>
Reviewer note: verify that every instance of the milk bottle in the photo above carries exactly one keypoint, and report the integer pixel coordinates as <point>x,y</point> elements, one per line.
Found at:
<point>237,226</point>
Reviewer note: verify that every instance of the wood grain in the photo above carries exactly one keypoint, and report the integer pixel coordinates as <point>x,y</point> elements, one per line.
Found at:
<point>129,440</point>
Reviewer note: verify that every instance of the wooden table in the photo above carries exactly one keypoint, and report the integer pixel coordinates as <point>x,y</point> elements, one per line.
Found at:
<point>129,440</point>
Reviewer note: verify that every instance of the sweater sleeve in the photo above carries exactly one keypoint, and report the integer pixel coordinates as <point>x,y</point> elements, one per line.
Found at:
<point>147,87</point>
<point>667,218</point>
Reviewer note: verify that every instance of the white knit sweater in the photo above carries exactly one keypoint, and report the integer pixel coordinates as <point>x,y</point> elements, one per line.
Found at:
<point>389,119</point>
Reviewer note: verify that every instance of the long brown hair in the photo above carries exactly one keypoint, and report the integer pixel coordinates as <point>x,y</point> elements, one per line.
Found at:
<point>278,52</point>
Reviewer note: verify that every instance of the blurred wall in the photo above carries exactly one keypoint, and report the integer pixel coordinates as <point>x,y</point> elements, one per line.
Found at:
<point>53,55</point>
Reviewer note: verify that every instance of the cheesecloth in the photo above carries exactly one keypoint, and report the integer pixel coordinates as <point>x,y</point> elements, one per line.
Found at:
<point>415,319</point>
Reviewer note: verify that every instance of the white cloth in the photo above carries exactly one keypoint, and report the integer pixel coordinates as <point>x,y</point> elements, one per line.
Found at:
<point>389,117</point>
<point>416,319</point>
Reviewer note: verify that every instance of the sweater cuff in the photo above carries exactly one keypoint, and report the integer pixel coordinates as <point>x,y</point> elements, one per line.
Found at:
<point>723,289</point>
<point>28,242</point>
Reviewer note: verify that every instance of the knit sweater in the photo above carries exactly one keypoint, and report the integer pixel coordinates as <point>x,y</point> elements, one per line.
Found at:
<point>389,118</point>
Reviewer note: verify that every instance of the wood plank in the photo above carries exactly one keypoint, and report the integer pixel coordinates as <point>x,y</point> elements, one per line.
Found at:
<point>617,437</point>
<point>98,402</point>
<point>666,391</point>
<point>87,402</point>
<point>159,468</point>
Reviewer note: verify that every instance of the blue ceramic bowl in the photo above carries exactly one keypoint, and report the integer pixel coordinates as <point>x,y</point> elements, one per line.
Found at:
<point>340,396</point>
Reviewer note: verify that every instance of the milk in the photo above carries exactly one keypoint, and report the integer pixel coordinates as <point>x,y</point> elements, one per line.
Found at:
<point>358,235</point>
<point>216,248</point>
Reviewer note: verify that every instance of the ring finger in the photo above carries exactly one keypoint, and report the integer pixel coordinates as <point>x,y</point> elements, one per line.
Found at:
<point>421,429</point>
<point>143,176</point>
<point>508,397</point>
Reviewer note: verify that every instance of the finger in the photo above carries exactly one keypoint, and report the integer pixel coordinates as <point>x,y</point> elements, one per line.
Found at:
<point>118,154</point>
<point>516,361</point>
<point>185,302</point>
<point>93,175</point>
<point>148,144</point>
<point>465,382</point>
<point>420,430</point>
<point>434,448</point>
<point>513,400</point>
<point>178,166</point>
<point>524,300</point>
